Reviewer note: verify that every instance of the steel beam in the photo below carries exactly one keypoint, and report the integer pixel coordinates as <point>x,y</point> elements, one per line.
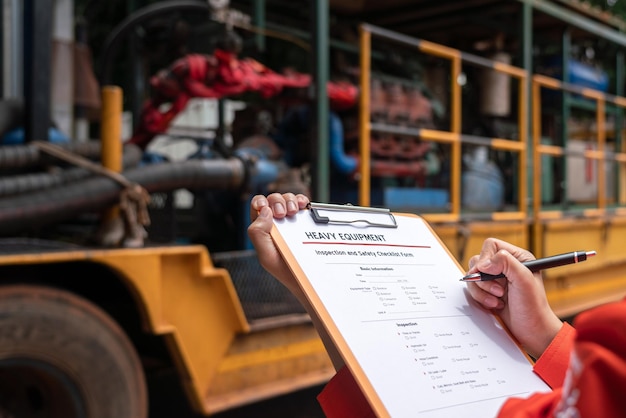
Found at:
<point>37,68</point>
<point>577,20</point>
<point>320,119</point>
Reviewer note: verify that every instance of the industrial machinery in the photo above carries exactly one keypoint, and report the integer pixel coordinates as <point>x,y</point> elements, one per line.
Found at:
<point>112,304</point>
<point>125,274</point>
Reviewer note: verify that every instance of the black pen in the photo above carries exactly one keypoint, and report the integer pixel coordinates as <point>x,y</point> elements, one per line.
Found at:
<point>536,265</point>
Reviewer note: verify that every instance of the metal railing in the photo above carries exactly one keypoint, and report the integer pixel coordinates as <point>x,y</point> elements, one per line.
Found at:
<point>601,155</point>
<point>453,137</point>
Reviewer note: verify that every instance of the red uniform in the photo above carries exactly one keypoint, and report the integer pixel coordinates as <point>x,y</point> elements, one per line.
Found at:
<point>586,368</point>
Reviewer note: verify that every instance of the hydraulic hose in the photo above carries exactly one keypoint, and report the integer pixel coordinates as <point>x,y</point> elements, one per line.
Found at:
<point>345,164</point>
<point>30,211</point>
<point>30,182</point>
<point>25,156</point>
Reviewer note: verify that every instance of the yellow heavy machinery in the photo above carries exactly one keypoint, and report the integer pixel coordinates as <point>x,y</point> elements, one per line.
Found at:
<point>88,330</point>
<point>98,316</point>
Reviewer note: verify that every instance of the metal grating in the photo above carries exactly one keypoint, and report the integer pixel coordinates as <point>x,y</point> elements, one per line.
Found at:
<point>261,295</point>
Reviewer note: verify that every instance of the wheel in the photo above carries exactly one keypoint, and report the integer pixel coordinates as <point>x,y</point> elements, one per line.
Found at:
<point>62,356</point>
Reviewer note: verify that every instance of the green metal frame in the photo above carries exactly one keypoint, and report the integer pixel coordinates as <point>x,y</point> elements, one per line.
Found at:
<point>319,35</point>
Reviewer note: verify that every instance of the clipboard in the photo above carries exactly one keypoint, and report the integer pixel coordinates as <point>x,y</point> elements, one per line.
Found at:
<point>387,291</point>
<point>324,213</point>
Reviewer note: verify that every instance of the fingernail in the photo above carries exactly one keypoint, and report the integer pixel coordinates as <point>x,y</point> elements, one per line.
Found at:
<point>491,301</point>
<point>291,205</point>
<point>260,203</point>
<point>496,290</point>
<point>302,200</point>
<point>279,209</point>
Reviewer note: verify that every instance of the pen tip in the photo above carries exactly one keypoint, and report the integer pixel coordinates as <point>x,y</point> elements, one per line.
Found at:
<point>590,253</point>
<point>471,278</point>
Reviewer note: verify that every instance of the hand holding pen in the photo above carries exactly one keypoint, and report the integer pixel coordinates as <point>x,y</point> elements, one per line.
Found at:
<point>520,301</point>
<point>536,265</point>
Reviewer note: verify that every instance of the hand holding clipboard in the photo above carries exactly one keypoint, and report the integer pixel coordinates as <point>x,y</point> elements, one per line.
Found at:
<point>316,252</point>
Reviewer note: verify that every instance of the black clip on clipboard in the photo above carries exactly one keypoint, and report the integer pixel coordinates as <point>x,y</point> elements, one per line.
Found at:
<point>343,214</point>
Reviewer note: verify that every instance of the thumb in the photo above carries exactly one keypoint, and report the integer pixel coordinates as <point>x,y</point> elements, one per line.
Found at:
<point>261,226</point>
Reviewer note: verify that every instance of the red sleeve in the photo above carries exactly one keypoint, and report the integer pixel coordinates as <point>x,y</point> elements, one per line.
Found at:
<point>595,381</point>
<point>553,363</point>
<point>342,398</point>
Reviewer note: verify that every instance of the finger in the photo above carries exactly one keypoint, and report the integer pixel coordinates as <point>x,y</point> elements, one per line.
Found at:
<point>492,245</point>
<point>484,298</point>
<point>489,248</point>
<point>517,274</point>
<point>268,255</point>
<point>302,200</point>
<point>291,204</point>
<point>257,202</point>
<point>287,204</point>
<point>491,256</point>
<point>259,233</point>
<point>493,287</point>
<point>508,264</point>
<point>519,253</point>
<point>278,205</point>
<point>473,260</point>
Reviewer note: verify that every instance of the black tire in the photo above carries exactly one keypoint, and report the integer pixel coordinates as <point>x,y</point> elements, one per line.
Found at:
<point>62,356</point>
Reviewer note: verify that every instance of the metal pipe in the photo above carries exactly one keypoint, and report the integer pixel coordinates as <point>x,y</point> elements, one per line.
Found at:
<point>321,172</point>
<point>577,20</point>
<point>110,135</point>
<point>522,129</point>
<point>455,127</point>
<point>526,35</point>
<point>27,156</point>
<point>30,211</point>
<point>111,128</point>
<point>37,62</point>
<point>364,118</point>
<point>27,183</point>
<point>13,47</point>
<point>601,137</point>
<point>620,174</point>
<point>566,47</point>
<point>536,134</point>
<point>259,21</point>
